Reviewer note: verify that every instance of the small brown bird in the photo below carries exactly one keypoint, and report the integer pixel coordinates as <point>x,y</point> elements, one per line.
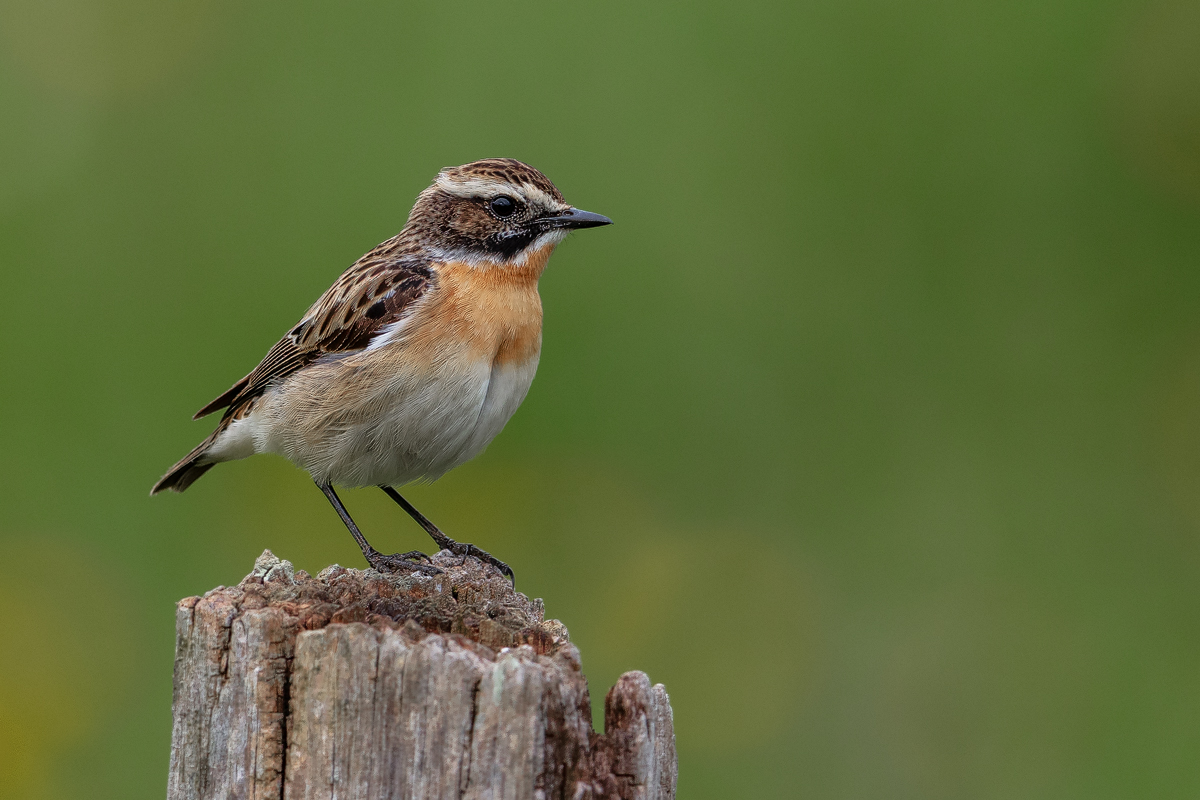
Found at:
<point>411,363</point>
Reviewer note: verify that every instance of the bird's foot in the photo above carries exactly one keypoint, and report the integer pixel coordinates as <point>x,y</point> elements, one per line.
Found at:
<point>466,550</point>
<point>401,562</point>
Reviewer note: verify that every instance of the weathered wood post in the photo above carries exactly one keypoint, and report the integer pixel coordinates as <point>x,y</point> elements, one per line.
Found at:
<point>354,684</point>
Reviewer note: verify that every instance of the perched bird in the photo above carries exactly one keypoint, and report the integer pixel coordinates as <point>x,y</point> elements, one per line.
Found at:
<point>411,363</point>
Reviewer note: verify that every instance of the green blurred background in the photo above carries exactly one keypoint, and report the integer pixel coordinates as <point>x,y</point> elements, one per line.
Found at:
<point>872,429</point>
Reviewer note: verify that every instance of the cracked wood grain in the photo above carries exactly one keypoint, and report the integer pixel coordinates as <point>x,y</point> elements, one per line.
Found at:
<point>357,685</point>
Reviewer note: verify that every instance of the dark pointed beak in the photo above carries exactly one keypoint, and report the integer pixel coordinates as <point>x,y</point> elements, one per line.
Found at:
<point>575,218</point>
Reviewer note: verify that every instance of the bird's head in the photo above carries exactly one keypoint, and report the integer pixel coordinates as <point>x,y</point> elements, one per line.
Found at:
<point>495,210</point>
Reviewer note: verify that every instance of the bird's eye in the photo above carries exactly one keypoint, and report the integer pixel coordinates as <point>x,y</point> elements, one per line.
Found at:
<point>503,206</point>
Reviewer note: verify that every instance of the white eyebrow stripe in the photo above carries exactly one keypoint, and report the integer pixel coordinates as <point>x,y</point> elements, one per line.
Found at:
<point>479,187</point>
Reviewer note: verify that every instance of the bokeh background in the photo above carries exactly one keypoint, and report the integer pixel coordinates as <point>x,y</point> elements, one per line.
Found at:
<point>871,429</point>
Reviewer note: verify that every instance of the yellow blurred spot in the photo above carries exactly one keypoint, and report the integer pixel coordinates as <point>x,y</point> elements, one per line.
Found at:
<point>65,630</point>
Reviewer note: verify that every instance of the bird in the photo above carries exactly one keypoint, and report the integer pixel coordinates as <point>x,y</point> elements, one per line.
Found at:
<point>414,359</point>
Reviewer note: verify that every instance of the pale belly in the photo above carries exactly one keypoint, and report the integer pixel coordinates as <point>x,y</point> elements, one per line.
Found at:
<point>355,425</point>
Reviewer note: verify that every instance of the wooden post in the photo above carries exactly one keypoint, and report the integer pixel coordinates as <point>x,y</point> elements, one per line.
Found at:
<point>354,684</point>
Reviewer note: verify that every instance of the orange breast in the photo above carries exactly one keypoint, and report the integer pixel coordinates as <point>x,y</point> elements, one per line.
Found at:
<point>493,309</point>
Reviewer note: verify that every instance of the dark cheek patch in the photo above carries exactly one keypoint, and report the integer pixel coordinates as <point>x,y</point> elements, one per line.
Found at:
<point>509,243</point>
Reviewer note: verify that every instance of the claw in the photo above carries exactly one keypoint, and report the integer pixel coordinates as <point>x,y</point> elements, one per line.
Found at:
<point>466,550</point>
<point>402,562</point>
<point>445,542</point>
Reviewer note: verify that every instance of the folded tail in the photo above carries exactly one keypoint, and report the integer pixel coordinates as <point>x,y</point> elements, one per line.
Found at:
<point>189,468</point>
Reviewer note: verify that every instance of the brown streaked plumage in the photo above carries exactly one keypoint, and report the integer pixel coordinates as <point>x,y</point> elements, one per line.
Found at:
<point>413,360</point>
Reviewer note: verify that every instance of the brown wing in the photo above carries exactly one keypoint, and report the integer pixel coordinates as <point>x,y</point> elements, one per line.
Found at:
<point>377,291</point>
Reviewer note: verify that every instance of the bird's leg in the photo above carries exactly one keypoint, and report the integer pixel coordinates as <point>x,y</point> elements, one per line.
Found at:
<point>445,542</point>
<point>393,563</point>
